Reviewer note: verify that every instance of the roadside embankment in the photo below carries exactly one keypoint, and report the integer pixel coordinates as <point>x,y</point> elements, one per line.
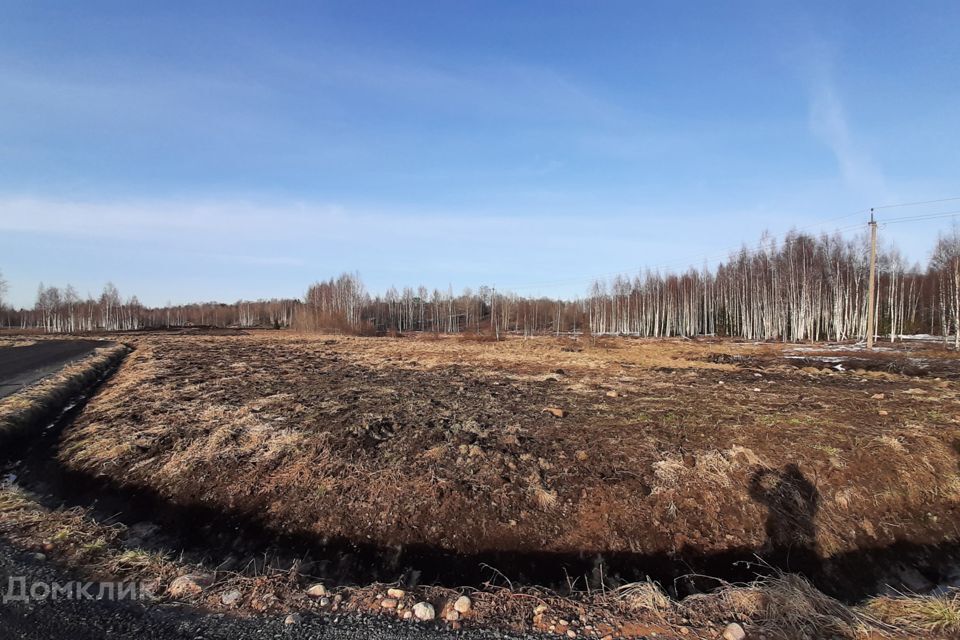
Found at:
<point>28,410</point>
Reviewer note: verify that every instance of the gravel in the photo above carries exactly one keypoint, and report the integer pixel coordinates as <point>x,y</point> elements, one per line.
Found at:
<point>88,619</point>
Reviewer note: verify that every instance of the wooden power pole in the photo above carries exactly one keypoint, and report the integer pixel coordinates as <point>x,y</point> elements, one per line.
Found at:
<point>870,286</point>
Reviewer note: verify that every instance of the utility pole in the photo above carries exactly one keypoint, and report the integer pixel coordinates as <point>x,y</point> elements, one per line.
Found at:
<point>493,313</point>
<point>870,287</point>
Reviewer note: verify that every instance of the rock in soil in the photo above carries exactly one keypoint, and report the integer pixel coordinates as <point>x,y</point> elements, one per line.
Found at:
<point>555,412</point>
<point>734,632</point>
<point>189,585</point>
<point>317,591</point>
<point>389,603</point>
<point>395,593</point>
<point>293,618</point>
<point>462,605</point>
<point>231,597</point>
<point>424,611</point>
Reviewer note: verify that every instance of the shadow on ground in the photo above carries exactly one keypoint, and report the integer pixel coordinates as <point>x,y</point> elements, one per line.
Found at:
<point>229,539</point>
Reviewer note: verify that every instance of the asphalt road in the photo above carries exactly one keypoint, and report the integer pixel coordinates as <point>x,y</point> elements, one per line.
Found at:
<point>57,619</point>
<point>22,366</point>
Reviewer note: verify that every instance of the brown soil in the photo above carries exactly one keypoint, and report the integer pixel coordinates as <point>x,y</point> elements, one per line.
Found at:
<point>667,451</point>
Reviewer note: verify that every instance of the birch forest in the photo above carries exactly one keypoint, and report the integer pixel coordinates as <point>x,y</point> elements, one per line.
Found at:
<point>803,288</point>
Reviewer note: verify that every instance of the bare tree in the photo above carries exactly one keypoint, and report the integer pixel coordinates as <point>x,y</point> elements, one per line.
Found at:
<point>803,288</point>
<point>945,262</point>
<point>3,291</point>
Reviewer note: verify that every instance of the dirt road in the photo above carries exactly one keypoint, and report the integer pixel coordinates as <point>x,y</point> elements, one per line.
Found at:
<point>21,366</point>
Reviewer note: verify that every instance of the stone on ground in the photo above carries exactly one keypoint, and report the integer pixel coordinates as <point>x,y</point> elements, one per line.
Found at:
<point>424,611</point>
<point>734,632</point>
<point>462,604</point>
<point>188,585</point>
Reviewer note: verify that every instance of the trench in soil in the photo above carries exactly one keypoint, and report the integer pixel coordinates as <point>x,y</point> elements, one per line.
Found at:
<point>237,542</point>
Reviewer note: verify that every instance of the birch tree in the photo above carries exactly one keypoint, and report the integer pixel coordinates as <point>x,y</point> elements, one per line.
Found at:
<point>3,292</point>
<point>946,264</point>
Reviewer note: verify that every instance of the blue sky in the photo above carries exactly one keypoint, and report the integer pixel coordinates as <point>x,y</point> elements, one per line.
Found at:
<point>240,149</point>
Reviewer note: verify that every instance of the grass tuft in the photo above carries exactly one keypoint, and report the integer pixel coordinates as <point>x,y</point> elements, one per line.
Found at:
<point>784,607</point>
<point>929,613</point>
<point>645,597</point>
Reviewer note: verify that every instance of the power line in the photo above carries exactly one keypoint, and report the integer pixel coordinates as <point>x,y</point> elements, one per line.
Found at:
<point>923,216</point>
<point>913,204</point>
<point>719,255</point>
<point>705,257</point>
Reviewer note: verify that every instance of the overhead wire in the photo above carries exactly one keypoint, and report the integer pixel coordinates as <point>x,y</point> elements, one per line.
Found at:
<point>710,257</point>
<point>705,257</point>
<point>921,217</point>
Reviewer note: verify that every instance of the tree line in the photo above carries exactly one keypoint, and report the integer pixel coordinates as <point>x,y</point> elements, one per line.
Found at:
<point>804,287</point>
<point>63,310</point>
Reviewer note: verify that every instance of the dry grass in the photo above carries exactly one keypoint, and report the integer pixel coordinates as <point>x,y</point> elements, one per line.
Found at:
<point>28,408</point>
<point>544,498</point>
<point>351,437</point>
<point>646,597</point>
<point>782,607</point>
<point>16,341</point>
<point>921,614</point>
<point>691,422</point>
<point>785,606</point>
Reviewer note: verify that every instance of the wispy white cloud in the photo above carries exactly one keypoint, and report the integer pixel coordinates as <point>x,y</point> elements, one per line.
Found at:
<point>233,248</point>
<point>829,121</point>
<point>96,93</point>
<point>487,86</point>
<point>324,81</point>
